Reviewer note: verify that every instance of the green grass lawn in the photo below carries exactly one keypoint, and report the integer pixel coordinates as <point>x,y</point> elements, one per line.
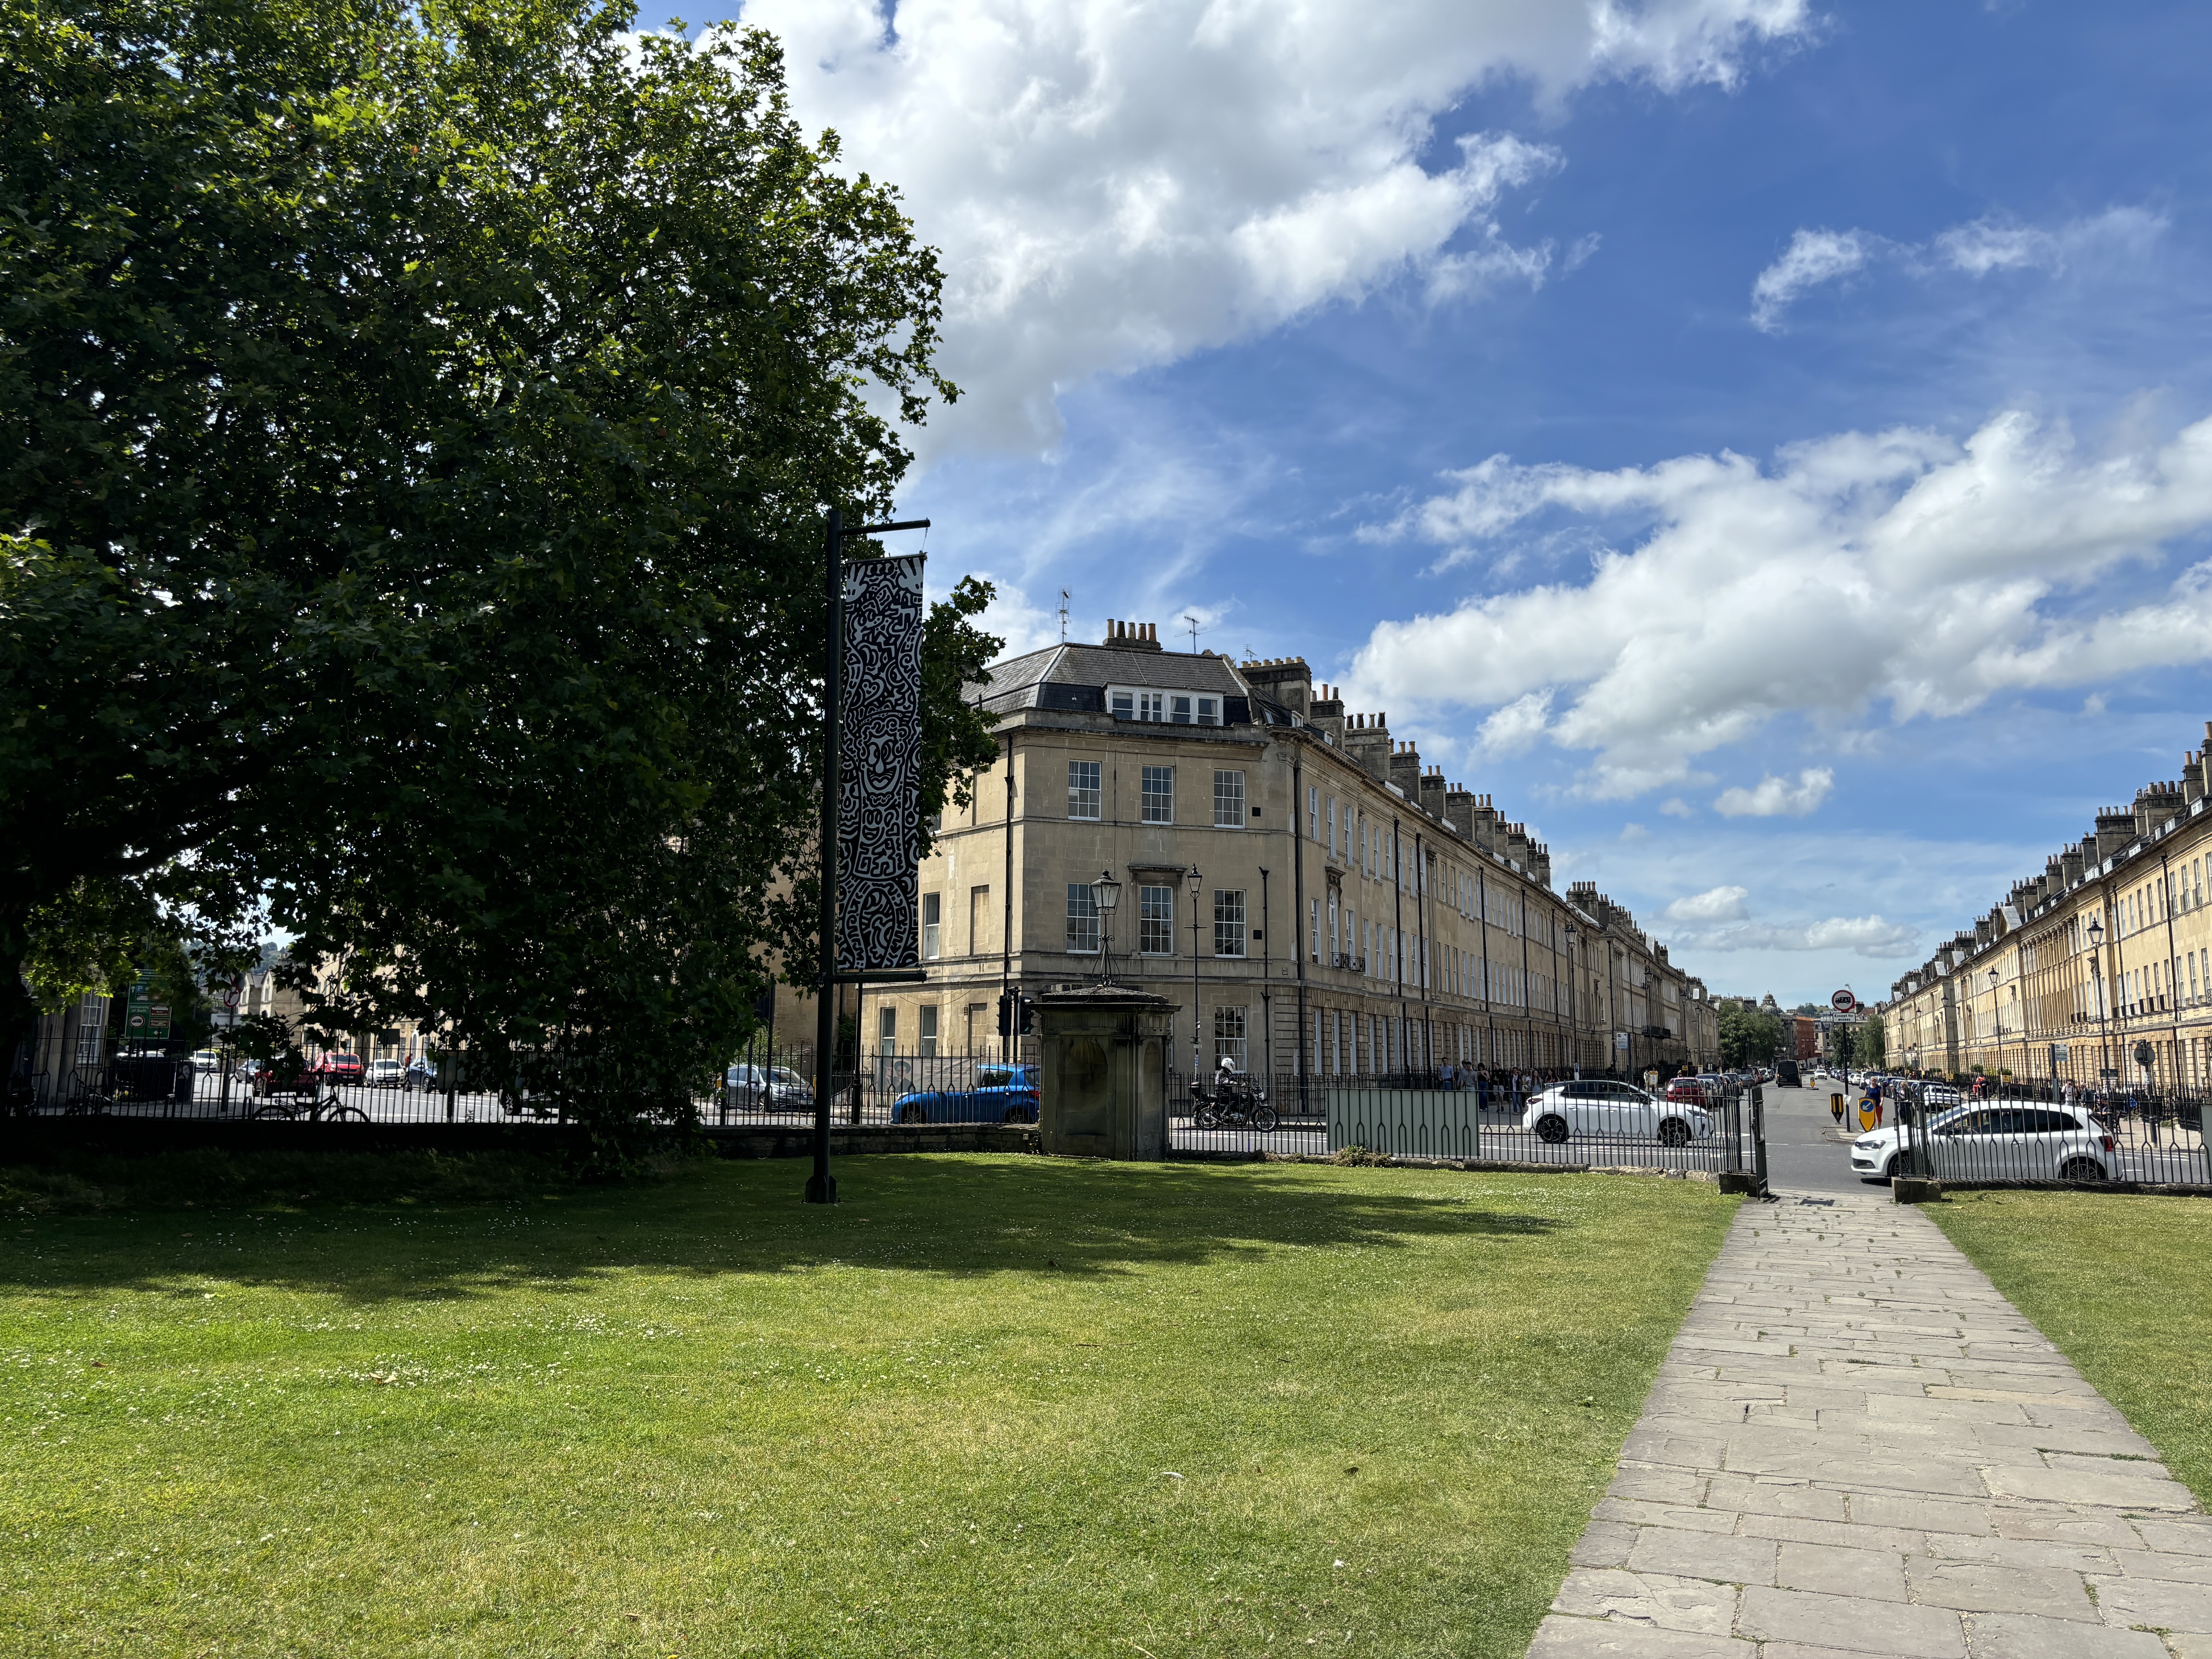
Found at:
<point>986,1406</point>
<point>2123,1286</point>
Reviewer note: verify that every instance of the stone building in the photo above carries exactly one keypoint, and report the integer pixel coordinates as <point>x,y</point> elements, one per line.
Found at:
<point>1325,901</point>
<point>2081,970</point>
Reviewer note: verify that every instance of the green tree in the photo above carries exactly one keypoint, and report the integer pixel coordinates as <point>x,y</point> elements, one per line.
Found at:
<point>1748,1037</point>
<point>420,423</point>
<point>1873,1044</point>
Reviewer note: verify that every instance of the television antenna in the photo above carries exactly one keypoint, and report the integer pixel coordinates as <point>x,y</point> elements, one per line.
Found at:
<point>1063,615</point>
<point>1193,621</point>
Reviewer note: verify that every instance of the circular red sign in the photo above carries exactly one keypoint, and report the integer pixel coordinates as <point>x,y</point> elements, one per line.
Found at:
<point>1843,1002</point>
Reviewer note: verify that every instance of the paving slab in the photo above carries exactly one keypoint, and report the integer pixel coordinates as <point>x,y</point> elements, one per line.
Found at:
<point>1858,1448</point>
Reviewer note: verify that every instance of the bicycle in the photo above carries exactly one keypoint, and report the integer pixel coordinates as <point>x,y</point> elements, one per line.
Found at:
<point>315,1110</point>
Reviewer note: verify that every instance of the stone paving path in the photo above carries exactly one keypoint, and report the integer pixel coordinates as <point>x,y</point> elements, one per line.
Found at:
<point>1857,1446</point>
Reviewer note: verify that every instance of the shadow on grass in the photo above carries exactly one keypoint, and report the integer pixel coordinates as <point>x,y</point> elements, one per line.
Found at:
<point>951,1217</point>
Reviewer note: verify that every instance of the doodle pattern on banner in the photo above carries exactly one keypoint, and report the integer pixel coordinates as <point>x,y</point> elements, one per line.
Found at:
<point>879,803</point>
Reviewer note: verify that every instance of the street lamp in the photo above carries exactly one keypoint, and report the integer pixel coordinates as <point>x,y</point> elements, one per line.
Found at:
<point>1996,1013</point>
<point>1571,997</point>
<point>2097,973</point>
<point>1191,879</point>
<point>1105,893</point>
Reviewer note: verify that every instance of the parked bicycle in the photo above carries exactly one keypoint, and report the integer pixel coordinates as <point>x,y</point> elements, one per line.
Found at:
<point>314,1108</point>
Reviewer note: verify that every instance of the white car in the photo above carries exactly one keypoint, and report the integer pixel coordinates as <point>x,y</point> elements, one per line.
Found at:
<point>1598,1106</point>
<point>2003,1140</point>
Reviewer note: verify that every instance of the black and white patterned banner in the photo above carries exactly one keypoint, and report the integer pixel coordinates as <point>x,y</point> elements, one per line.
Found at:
<point>879,803</point>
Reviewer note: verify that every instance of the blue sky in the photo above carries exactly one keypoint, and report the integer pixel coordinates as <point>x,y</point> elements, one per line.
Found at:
<point>1753,440</point>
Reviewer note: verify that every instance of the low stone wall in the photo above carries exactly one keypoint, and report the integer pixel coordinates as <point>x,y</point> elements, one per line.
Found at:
<point>1932,1190</point>
<point>25,1139</point>
<point>797,1141</point>
<point>28,1139</point>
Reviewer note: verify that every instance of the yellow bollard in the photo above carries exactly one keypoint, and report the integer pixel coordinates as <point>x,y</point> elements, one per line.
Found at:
<point>1836,1107</point>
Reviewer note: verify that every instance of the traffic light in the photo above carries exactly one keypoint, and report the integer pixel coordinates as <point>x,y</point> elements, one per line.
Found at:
<point>1017,1013</point>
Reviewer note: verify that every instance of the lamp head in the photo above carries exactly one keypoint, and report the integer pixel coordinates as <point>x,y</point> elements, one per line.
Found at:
<point>1191,879</point>
<point>1106,892</point>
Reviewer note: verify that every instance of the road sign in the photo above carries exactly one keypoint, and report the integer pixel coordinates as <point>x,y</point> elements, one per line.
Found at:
<point>145,1020</point>
<point>1843,1002</point>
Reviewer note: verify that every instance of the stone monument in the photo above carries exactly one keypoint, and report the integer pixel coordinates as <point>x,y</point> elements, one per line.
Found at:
<point>1103,1071</point>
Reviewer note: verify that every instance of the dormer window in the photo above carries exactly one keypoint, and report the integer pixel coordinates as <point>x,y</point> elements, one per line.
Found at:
<point>1181,715</point>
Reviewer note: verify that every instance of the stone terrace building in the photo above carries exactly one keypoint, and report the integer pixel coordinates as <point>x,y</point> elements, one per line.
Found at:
<point>1350,911</point>
<point>2109,948</point>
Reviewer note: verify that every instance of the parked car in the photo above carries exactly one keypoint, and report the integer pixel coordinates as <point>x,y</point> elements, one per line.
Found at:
<point>270,1079</point>
<point>386,1074</point>
<point>1001,1094</point>
<point>2010,1141</point>
<point>1599,1106</point>
<point>339,1069</point>
<point>1697,1091</point>
<point>209,1060</point>
<point>768,1088</point>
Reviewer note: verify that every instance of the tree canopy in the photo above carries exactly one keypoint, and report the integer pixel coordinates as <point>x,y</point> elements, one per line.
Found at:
<point>1749,1036</point>
<point>419,422</point>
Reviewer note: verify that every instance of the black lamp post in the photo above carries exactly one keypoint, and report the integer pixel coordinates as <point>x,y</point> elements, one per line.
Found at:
<point>2097,973</point>
<point>1106,894</point>
<point>1573,996</point>
<point>1996,1013</point>
<point>1191,879</point>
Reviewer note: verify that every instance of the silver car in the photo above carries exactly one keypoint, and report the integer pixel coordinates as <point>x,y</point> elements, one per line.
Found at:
<point>1600,1107</point>
<point>2001,1140</point>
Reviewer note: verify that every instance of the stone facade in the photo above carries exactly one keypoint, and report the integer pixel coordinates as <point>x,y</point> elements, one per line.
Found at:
<point>2108,948</point>
<point>1352,911</point>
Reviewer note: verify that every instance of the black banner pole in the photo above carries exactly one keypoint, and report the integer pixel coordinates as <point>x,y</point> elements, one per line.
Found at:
<point>821,1186</point>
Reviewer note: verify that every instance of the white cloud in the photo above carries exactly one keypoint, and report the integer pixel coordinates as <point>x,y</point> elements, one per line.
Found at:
<point>1813,256</point>
<point>1900,568</point>
<point>1512,730</point>
<point>1777,796</point>
<point>1116,184</point>
<point>1675,807</point>
<point>1865,936</point>
<point>1715,904</point>
<point>1991,245</point>
<point>1976,249</point>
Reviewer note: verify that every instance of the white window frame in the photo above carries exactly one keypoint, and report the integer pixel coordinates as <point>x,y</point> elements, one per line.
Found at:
<point>1231,928</point>
<point>1085,787</point>
<point>1082,919</point>
<point>1152,778</point>
<point>1155,919</point>
<point>933,927</point>
<point>1228,799</point>
<point>926,1036</point>
<point>1232,1037</point>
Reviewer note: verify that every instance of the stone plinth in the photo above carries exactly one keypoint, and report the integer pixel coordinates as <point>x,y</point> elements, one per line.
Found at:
<point>1102,1072</point>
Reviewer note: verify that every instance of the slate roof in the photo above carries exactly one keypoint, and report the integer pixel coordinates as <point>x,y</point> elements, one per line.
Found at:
<point>1014,681</point>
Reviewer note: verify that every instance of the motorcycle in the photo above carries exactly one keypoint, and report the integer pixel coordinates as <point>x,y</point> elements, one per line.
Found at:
<point>1235,1102</point>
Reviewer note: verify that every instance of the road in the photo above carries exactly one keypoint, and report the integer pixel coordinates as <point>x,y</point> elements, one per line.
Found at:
<point>1806,1153</point>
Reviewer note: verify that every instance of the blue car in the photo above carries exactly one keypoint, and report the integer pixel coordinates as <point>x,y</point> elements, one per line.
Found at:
<point>1002,1094</point>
